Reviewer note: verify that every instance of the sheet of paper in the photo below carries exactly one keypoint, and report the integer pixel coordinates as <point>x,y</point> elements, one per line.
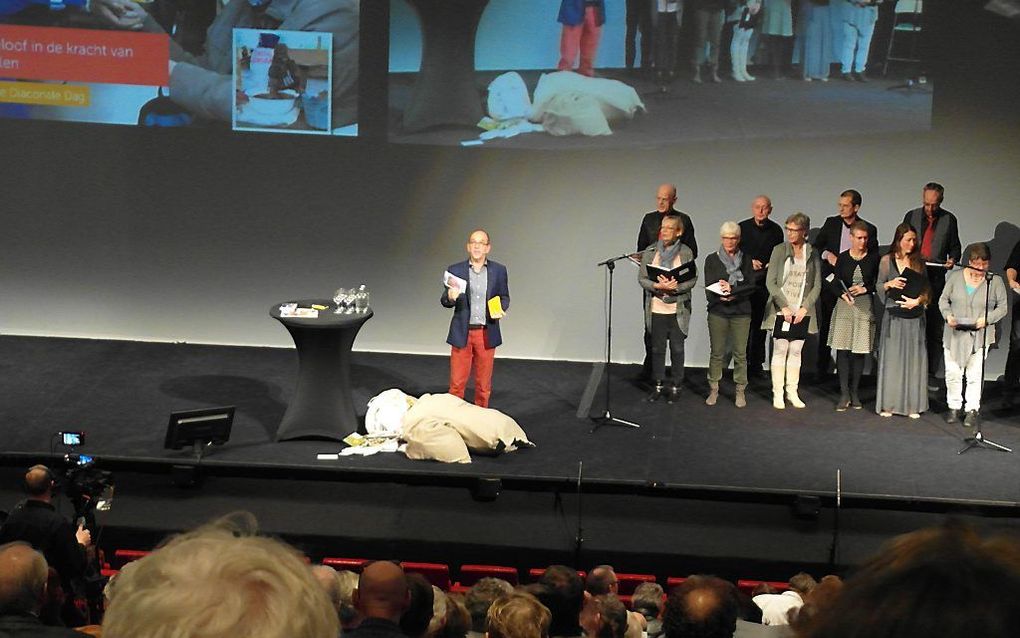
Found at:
<point>450,279</point>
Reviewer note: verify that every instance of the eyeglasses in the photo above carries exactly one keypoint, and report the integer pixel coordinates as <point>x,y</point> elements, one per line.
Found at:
<point>794,230</point>
<point>478,243</point>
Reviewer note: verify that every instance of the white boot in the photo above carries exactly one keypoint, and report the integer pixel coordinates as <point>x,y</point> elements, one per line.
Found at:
<point>743,67</point>
<point>792,381</point>
<point>778,376</point>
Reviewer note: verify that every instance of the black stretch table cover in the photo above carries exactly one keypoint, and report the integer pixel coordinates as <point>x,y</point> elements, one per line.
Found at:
<point>322,405</point>
<point>444,92</point>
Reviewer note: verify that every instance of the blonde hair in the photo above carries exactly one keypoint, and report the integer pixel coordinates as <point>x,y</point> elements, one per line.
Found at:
<point>729,228</point>
<point>517,615</point>
<point>221,580</point>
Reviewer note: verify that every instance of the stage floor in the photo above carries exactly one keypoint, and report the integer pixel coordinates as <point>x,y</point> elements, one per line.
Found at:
<point>121,393</point>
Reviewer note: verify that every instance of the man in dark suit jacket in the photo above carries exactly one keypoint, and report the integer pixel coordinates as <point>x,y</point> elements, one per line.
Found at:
<point>474,329</point>
<point>648,234</point>
<point>938,240</point>
<point>832,239</point>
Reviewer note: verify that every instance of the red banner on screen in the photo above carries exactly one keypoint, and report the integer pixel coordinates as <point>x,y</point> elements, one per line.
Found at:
<point>80,55</point>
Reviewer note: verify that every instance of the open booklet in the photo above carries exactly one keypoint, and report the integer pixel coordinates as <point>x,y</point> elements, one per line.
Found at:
<point>681,273</point>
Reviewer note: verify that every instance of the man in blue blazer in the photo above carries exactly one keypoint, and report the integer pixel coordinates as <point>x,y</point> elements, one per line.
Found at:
<point>474,328</point>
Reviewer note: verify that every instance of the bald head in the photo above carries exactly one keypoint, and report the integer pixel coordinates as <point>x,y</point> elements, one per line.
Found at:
<point>382,591</point>
<point>38,481</point>
<point>22,578</point>
<point>665,197</point>
<point>703,606</point>
<point>761,208</point>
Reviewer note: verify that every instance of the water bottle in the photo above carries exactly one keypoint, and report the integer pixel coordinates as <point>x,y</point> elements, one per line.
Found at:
<point>361,299</point>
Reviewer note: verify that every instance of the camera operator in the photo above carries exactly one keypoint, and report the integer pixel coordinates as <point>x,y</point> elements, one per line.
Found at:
<point>37,522</point>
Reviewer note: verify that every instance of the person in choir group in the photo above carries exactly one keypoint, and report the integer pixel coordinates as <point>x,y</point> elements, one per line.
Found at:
<point>582,22</point>
<point>667,307</point>
<point>744,17</point>
<point>709,16</point>
<point>903,358</point>
<point>938,241</point>
<point>474,329</point>
<point>852,329</point>
<point>859,18</point>
<point>759,235</point>
<point>729,313</point>
<point>815,27</point>
<point>648,234</point>
<point>777,29</point>
<point>833,239</point>
<point>1012,374</point>
<point>793,282</point>
<point>969,332</point>
<point>666,18</point>
<point>638,21</point>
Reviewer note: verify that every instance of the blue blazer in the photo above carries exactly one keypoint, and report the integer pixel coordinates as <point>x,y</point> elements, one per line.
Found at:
<point>496,285</point>
<point>572,12</point>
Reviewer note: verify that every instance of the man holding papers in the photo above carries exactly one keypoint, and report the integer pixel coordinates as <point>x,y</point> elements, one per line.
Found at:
<point>477,291</point>
<point>667,275</point>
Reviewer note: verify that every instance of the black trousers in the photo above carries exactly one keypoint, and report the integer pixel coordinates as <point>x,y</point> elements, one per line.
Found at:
<point>826,304</point>
<point>934,321</point>
<point>665,329</point>
<point>1012,376</point>
<point>639,20</point>
<point>757,337</point>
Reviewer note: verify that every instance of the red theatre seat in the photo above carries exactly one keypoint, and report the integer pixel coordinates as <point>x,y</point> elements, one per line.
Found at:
<point>627,583</point>
<point>747,586</point>
<point>536,572</point>
<point>122,557</point>
<point>674,581</point>
<point>346,564</point>
<point>436,573</point>
<point>471,574</point>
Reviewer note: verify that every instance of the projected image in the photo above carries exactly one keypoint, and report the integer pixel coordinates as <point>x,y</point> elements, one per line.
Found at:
<point>281,81</point>
<point>174,63</point>
<point>553,74</point>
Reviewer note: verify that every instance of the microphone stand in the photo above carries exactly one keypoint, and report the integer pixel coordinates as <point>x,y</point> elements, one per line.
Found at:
<point>978,439</point>
<point>607,417</point>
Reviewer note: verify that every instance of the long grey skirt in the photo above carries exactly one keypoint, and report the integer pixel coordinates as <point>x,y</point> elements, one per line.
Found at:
<point>902,366</point>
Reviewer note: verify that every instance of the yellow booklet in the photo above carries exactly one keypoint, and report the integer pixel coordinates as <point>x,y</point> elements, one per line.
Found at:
<point>495,308</point>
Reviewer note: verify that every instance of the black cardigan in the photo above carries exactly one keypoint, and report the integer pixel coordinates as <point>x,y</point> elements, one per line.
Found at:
<point>845,265</point>
<point>741,304</point>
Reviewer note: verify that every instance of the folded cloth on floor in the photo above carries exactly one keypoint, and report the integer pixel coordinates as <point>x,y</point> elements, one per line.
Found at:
<point>428,423</point>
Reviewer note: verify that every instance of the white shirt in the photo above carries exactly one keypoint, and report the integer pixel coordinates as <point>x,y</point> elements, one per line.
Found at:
<point>776,607</point>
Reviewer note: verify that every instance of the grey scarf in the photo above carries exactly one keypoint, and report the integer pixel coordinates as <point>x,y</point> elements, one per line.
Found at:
<point>667,254</point>
<point>732,265</point>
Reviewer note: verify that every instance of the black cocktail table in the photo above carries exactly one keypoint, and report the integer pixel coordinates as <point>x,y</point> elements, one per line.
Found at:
<point>322,406</point>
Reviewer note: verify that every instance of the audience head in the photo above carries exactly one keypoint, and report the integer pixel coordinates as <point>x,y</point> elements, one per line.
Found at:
<point>382,591</point>
<point>348,581</point>
<point>518,614</point>
<point>220,580</point>
<point>329,580</point>
<point>849,204</point>
<point>761,208</point>
<point>417,617</point>
<point>817,601</point>
<point>665,197</point>
<point>647,600</point>
<point>481,596</point>
<point>601,580</point>
<point>701,607</point>
<point>945,581</point>
<point>39,481</point>
<point>563,595</point>
<point>23,574</point>
<point>603,616</point>
<point>457,621</point>
<point>803,583</point>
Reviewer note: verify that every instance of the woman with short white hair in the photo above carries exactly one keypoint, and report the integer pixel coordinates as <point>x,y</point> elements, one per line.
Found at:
<point>729,284</point>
